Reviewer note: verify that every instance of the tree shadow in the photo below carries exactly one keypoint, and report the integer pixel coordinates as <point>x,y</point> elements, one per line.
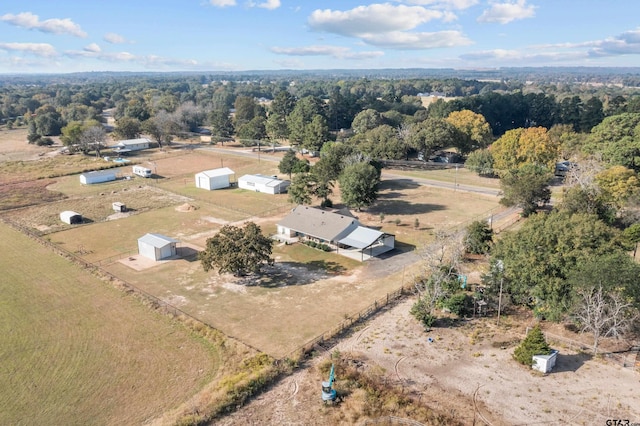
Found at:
<point>404,208</point>
<point>566,362</point>
<point>390,189</point>
<point>285,274</point>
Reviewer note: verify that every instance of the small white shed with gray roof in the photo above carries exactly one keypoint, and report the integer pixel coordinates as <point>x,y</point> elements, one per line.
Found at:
<point>156,246</point>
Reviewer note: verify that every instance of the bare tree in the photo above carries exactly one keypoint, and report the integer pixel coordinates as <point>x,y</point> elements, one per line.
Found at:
<point>92,139</point>
<point>441,261</point>
<point>603,313</point>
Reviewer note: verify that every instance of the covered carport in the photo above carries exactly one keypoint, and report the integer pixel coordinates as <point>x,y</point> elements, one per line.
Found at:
<point>364,243</point>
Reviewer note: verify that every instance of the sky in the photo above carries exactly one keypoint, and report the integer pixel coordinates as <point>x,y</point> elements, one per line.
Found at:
<point>63,36</point>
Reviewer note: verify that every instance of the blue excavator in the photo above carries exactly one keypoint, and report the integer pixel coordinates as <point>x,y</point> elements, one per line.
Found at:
<point>328,393</point>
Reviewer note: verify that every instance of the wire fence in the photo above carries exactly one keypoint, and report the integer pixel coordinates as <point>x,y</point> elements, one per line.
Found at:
<point>346,324</point>
<point>153,301</point>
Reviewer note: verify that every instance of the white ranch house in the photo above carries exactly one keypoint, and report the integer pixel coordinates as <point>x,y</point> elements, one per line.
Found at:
<point>215,179</point>
<point>156,246</point>
<point>129,145</point>
<point>263,183</point>
<point>339,230</point>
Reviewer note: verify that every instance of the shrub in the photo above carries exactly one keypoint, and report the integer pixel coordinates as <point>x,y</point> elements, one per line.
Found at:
<point>455,304</point>
<point>533,344</point>
<point>422,312</point>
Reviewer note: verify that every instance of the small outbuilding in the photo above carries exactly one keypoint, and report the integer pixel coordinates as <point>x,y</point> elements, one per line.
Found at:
<point>119,207</point>
<point>98,176</point>
<point>156,246</point>
<point>71,217</point>
<point>215,179</point>
<point>263,183</point>
<point>545,363</point>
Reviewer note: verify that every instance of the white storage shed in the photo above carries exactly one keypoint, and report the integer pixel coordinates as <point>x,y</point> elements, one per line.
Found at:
<point>545,363</point>
<point>156,246</point>
<point>263,183</point>
<point>215,179</point>
<point>97,177</point>
<point>70,217</point>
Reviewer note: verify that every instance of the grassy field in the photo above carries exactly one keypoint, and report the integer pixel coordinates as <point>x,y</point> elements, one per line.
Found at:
<point>77,351</point>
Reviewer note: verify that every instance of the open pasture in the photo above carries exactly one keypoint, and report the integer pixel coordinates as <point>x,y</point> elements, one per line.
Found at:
<point>307,289</point>
<point>96,207</point>
<point>77,351</point>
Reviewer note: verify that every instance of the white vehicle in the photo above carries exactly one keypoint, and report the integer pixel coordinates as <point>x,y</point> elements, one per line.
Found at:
<point>142,171</point>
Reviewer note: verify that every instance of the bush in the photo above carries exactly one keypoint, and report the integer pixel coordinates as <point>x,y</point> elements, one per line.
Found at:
<point>421,311</point>
<point>456,304</point>
<point>533,344</point>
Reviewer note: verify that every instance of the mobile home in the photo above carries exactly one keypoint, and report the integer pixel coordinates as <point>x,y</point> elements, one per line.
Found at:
<point>97,177</point>
<point>142,171</point>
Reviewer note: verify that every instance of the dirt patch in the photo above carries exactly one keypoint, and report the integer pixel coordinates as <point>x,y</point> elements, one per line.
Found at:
<point>186,207</point>
<point>463,372</point>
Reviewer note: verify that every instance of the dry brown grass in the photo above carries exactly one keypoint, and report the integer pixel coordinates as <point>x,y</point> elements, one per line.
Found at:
<point>75,350</point>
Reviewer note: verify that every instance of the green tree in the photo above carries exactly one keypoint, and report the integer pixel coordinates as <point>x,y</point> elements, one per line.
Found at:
<point>128,128</point>
<point>237,250</point>
<point>366,120</point>
<point>359,185</point>
<point>526,188</point>
<point>478,238</point>
<point>433,134</point>
<point>302,116</point>
<point>617,138</point>
<point>540,255</point>
<point>381,143</point>
<point>316,133</point>
<point>71,133</point>
<point>632,235</point>
<point>276,127</point>
<point>253,129</point>
<point>301,189</point>
<point>533,344</point>
<point>480,161</point>
<point>290,163</point>
<point>221,123</point>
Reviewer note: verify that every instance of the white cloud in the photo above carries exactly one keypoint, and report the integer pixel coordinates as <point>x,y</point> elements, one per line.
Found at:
<point>387,25</point>
<point>55,26</point>
<point>375,18</point>
<point>627,43</point>
<point>267,4</point>
<point>114,38</point>
<point>502,56</point>
<point>37,49</point>
<point>332,51</point>
<point>443,4</point>
<point>422,40</point>
<point>504,13</point>
<point>222,3</point>
<point>93,47</point>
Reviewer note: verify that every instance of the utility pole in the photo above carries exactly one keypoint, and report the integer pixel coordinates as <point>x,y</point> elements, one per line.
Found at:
<point>500,266</point>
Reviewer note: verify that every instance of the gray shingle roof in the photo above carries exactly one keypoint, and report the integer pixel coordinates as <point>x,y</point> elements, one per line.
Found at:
<point>318,223</point>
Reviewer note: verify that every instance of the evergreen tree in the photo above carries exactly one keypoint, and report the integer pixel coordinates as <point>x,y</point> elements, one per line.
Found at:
<point>533,344</point>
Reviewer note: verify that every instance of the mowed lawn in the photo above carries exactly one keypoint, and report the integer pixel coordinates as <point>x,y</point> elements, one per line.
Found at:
<point>74,350</point>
